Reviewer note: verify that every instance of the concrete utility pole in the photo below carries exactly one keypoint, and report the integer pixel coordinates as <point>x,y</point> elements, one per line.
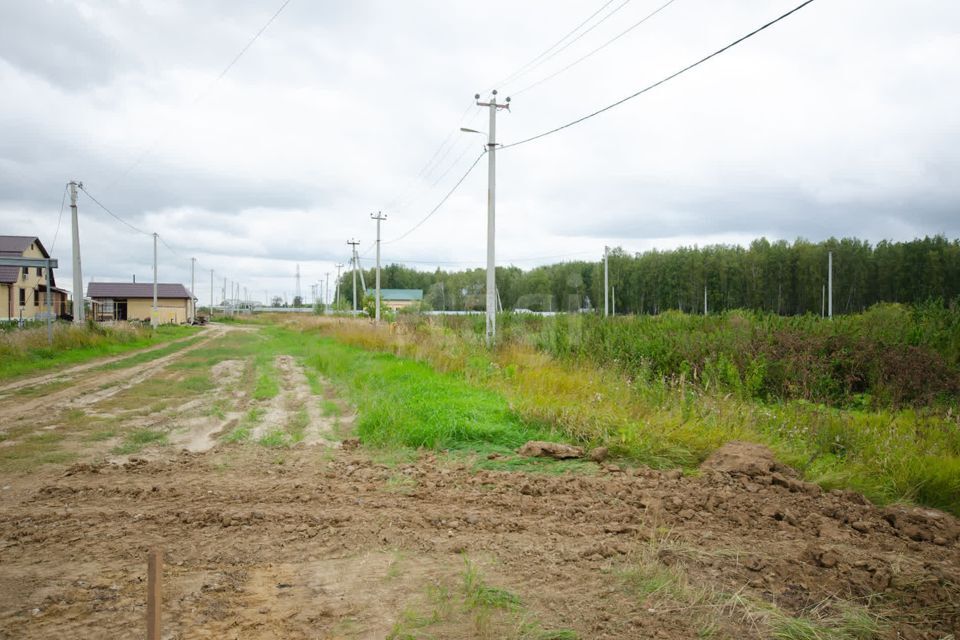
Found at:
<point>211,293</point>
<point>830,284</point>
<point>353,257</point>
<point>154,318</point>
<point>193,289</point>
<point>606,281</point>
<point>296,296</point>
<point>224,293</point>
<point>379,218</point>
<point>326,293</point>
<point>78,310</point>
<point>336,296</point>
<point>491,213</point>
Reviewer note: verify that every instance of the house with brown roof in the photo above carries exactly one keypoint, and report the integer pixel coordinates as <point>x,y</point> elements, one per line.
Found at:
<point>23,290</point>
<point>134,301</point>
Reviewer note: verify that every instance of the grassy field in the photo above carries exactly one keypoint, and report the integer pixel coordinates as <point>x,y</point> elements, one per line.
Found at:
<point>889,454</point>
<point>27,351</point>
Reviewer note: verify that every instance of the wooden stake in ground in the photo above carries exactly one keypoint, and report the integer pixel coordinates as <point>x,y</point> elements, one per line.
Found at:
<point>154,573</point>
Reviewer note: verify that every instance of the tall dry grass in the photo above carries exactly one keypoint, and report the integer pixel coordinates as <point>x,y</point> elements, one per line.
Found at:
<point>905,454</point>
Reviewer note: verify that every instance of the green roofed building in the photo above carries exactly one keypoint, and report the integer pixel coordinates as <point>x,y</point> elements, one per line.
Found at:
<point>397,298</point>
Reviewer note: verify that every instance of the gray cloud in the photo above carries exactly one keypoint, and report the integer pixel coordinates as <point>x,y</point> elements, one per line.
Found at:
<point>841,121</point>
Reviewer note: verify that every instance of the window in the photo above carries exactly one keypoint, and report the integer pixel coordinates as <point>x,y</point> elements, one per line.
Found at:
<point>26,272</point>
<point>23,297</point>
<point>36,297</point>
<point>39,271</point>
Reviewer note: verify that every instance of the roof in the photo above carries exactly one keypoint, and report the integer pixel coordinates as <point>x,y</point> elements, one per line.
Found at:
<point>13,247</point>
<point>398,295</point>
<point>136,290</point>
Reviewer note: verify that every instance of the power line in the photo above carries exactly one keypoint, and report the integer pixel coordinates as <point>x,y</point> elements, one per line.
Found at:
<point>522,70</point>
<point>63,199</point>
<point>585,32</point>
<point>101,205</point>
<point>164,242</point>
<point>659,82</point>
<point>407,194</point>
<point>597,50</point>
<point>439,204</point>
<point>143,154</point>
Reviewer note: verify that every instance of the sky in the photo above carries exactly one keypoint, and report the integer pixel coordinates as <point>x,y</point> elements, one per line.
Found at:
<point>841,120</point>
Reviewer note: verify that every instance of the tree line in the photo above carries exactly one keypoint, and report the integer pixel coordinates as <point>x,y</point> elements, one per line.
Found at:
<point>776,277</point>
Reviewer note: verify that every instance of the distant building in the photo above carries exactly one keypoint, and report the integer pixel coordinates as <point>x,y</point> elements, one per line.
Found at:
<point>397,298</point>
<point>134,301</point>
<point>23,290</point>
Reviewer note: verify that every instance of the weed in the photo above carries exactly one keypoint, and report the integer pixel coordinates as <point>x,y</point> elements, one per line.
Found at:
<point>138,439</point>
<point>329,408</point>
<point>479,595</point>
<point>100,436</point>
<point>273,439</point>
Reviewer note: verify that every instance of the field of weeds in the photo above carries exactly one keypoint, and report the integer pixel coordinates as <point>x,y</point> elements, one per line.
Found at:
<point>890,453</point>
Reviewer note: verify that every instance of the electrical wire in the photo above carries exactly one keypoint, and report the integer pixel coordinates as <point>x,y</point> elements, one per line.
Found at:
<point>101,205</point>
<point>164,243</point>
<point>408,193</point>
<point>659,82</point>
<point>522,70</point>
<point>595,51</point>
<point>59,218</point>
<point>585,32</point>
<point>439,204</point>
<point>143,154</point>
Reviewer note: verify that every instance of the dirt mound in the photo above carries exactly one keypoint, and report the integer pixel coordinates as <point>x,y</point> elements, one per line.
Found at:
<point>235,533</point>
<point>542,449</point>
<point>744,458</point>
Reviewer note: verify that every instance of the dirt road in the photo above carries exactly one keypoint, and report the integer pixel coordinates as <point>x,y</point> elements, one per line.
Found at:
<point>313,540</point>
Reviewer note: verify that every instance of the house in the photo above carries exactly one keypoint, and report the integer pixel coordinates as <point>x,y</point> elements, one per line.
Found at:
<point>134,301</point>
<point>397,298</point>
<point>23,290</point>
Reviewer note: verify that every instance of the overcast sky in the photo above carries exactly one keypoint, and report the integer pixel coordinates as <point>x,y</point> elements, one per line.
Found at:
<point>842,120</point>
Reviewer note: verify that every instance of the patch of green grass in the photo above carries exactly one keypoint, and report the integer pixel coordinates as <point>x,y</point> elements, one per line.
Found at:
<point>407,403</point>
<point>329,408</point>
<point>480,611</point>
<point>101,435</point>
<point>136,440</point>
<point>240,433</point>
<point>149,356</point>
<point>401,483</point>
<point>33,451</point>
<point>34,391</point>
<point>218,409</point>
<point>26,351</point>
<point>478,594</point>
<point>196,384</point>
<point>47,437</point>
<point>297,425</point>
<point>273,439</point>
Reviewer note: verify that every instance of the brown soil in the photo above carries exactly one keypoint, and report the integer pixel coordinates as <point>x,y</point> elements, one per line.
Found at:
<point>325,542</point>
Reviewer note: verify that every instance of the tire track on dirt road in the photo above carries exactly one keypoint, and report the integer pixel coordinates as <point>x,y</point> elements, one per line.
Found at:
<point>96,387</point>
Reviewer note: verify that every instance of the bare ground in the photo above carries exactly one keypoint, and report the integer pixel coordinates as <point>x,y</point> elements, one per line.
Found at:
<point>306,541</point>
